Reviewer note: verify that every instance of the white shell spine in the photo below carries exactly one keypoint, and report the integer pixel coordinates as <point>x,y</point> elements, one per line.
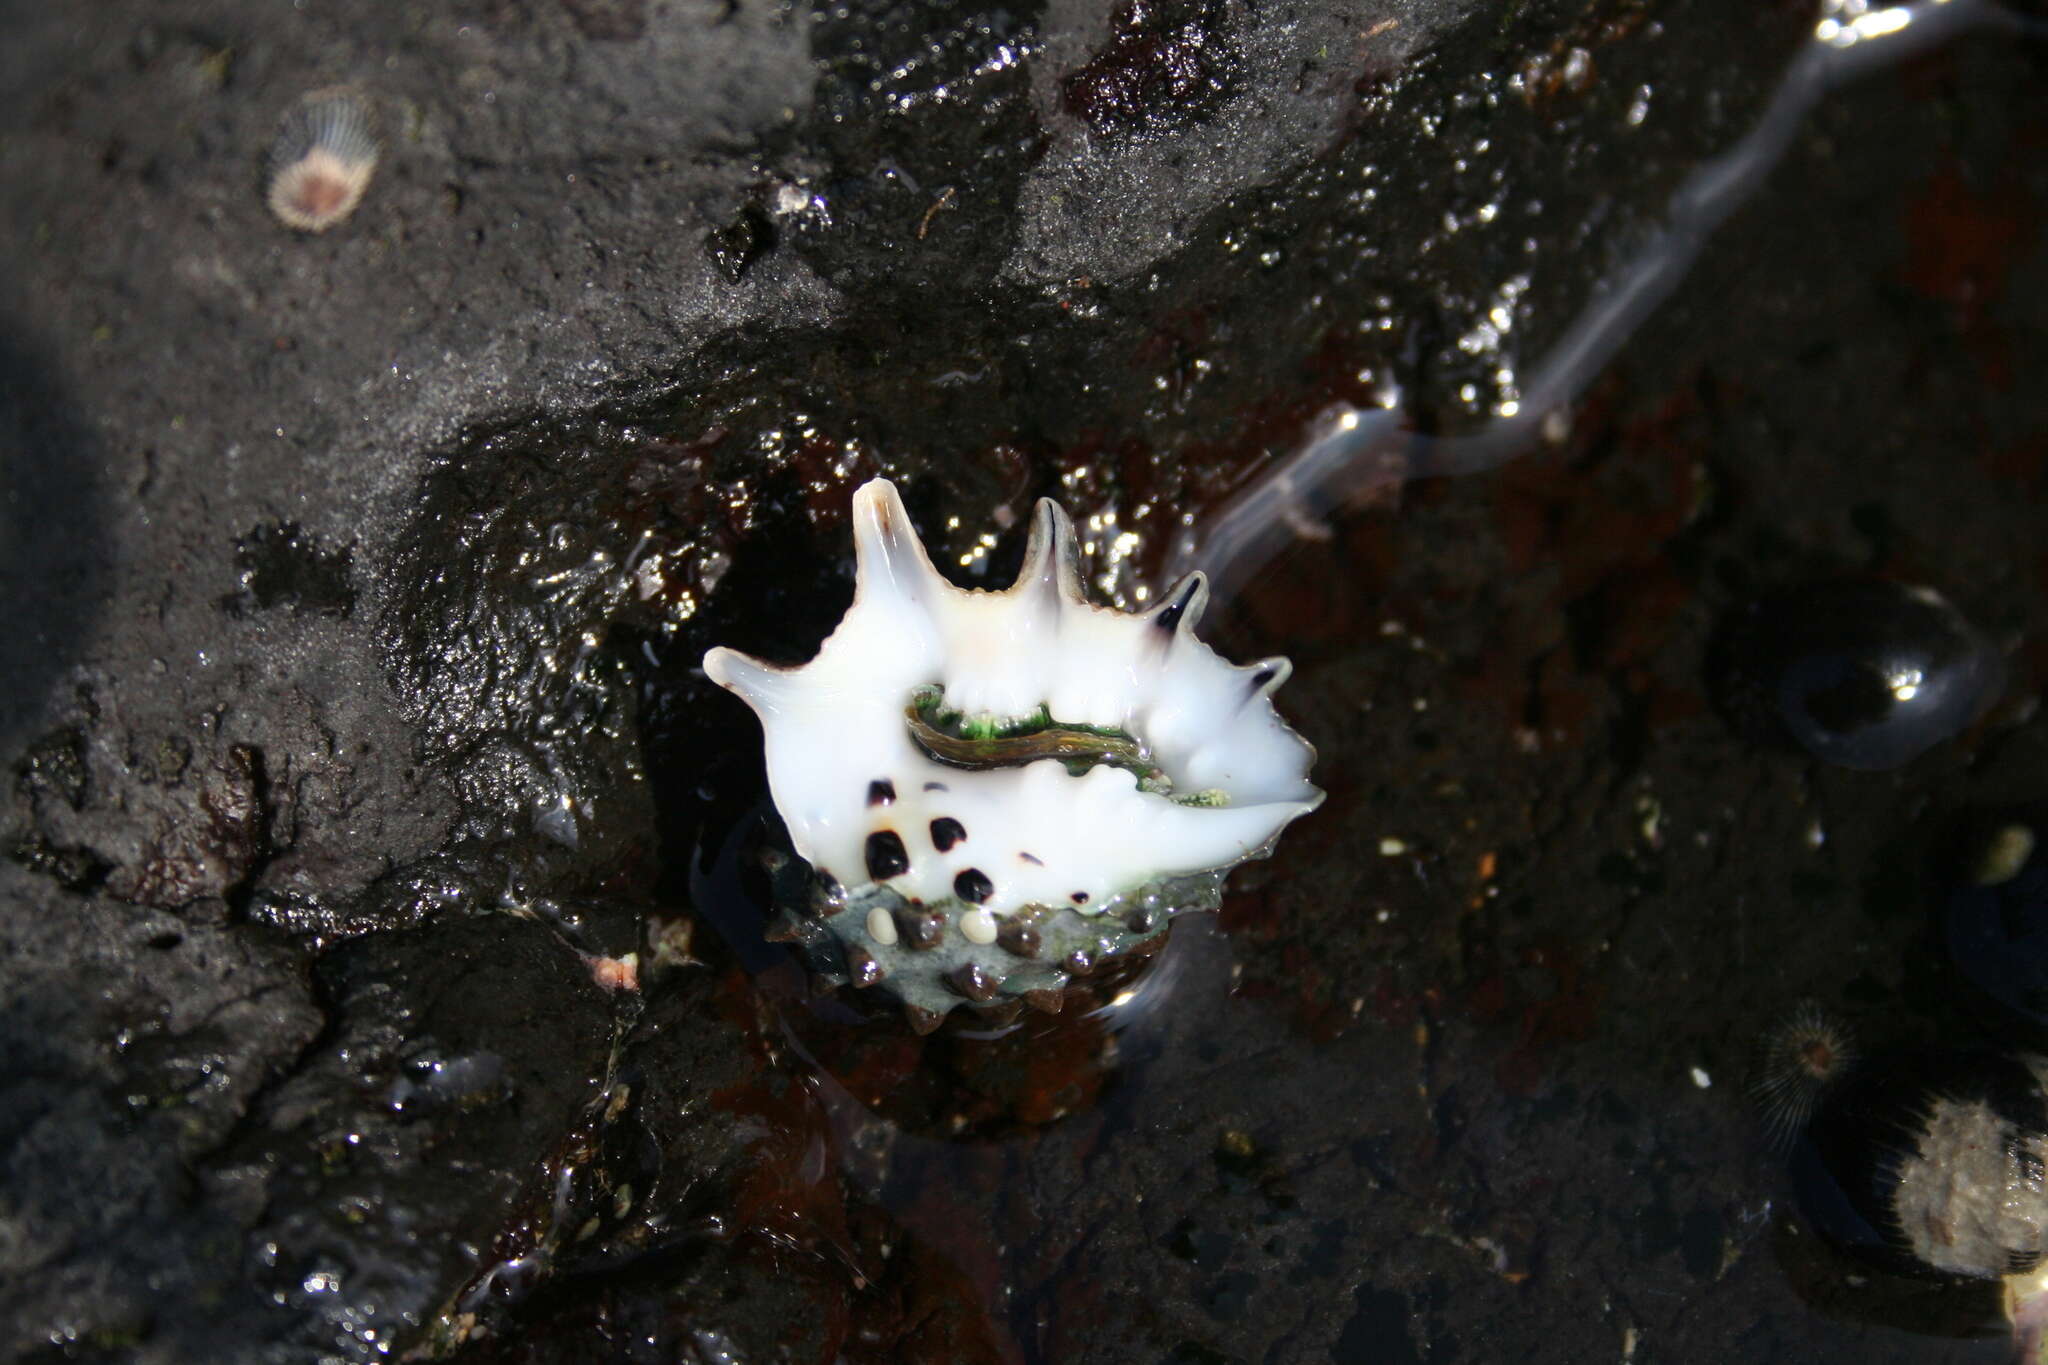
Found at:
<point>1016,842</point>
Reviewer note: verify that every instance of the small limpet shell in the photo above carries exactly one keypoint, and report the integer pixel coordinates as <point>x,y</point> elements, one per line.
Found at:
<point>321,159</point>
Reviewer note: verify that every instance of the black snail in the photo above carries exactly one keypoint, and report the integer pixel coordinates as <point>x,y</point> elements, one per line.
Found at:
<point>1863,673</point>
<point>1928,1162</point>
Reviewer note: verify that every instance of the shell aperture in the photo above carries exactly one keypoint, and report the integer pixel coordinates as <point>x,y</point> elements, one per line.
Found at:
<point>1010,761</point>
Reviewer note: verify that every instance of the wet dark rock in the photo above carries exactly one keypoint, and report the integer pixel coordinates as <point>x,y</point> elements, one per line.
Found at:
<point>566,453</point>
<point>403,898</point>
<point>906,173</point>
<point>667,1213</point>
<point>1168,63</point>
<point>501,653</point>
<point>168,858</point>
<point>737,245</point>
<point>185,862</point>
<point>280,565</point>
<point>1865,674</point>
<point>119,1078</point>
<point>54,766</point>
<point>682,1308</point>
<point>383,1158</point>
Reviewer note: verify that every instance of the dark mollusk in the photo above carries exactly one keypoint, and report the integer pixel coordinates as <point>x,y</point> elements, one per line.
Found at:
<point>1865,674</point>
<point>1996,925</point>
<point>1873,1160</point>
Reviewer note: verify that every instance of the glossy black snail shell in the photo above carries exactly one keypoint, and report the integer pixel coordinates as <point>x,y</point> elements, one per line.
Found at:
<point>1995,921</point>
<point>1932,1163</point>
<point>1865,674</point>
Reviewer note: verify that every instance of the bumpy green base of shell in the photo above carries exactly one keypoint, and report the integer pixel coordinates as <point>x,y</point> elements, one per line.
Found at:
<point>932,965</point>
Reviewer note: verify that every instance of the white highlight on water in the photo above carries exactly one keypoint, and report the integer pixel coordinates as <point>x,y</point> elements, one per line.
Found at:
<point>1352,451</point>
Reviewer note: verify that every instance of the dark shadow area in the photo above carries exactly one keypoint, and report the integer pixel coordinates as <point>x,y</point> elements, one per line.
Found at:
<point>54,558</point>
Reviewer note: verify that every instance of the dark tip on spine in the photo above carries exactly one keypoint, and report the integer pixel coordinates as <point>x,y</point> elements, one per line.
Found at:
<point>922,1020</point>
<point>973,885</point>
<point>946,832</point>
<point>886,855</point>
<point>1171,615</point>
<point>1268,675</point>
<point>1143,920</point>
<point>1031,858</point>
<point>1045,999</point>
<point>1079,962</point>
<point>974,981</point>
<point>881,792</point>
<point>784,928</point>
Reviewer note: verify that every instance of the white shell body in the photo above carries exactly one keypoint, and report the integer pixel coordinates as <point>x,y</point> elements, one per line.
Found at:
<point>843,765</point>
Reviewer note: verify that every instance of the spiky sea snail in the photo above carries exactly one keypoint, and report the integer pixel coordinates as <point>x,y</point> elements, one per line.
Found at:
<point>997,792</point>
<point>1930,1163</point>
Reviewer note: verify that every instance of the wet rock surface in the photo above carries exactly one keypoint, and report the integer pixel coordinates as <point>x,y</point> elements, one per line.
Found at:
<point>362,985</point>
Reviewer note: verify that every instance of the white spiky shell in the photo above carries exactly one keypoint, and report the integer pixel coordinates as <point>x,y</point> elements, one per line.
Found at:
<point>837,740</point>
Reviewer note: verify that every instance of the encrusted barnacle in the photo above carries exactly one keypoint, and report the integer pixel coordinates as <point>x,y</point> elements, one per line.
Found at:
<point>1014,786</point>
<point>1934,1163</point>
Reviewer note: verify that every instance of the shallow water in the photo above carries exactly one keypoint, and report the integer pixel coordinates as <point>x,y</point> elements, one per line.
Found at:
<point>469,1039</point>
<point>1460,1074</point>
<point>1483,1026</point>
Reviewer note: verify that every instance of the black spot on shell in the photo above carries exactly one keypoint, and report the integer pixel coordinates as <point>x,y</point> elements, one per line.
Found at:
<point>973,885</point>
<point>886,855</point>
<point>936,787</point>
<point>881,792</point>
<point>946,832</point>
<point>1031,858</point>
<point>1080,898</point>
